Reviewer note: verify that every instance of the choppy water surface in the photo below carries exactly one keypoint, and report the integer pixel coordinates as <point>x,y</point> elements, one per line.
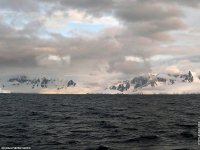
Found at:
<point>90,122</point>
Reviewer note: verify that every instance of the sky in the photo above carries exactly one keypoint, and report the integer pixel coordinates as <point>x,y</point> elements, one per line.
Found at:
<point>99,40</point>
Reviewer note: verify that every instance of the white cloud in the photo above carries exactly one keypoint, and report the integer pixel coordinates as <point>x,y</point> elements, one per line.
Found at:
<point>132,58</point>
<point>54,58</point>
<point>66,59</point>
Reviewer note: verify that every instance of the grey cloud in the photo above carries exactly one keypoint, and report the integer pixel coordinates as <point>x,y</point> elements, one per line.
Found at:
<point>19,5</point>
<point>150,19</point>
<point>143,18</point>
<point>95,7</point>
<point>88,4</point>
<point>190,3</point>
<point>157,30</point>
<point>134,11</point>
<point>20,61</point>
<point>17,48</point>
<point>192,58</point>
<point>146,24</point>
<point>131,67</point>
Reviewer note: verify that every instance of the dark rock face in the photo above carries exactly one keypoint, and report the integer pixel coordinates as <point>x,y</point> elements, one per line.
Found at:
<point>139,81</point>
<point>161,79</point>
<point>35,82</point>
<point>113,87</point>
<point>187,77</point>
<point>128,85</point>
<point>38,82</point>
<point>71,83</point>
<point>124,86</point>
<point>44,82</point>
<point>190,77</point>
<point>171,81</point>
<point>121,88</point>
<point>143,81</point>
<point>20,79</point>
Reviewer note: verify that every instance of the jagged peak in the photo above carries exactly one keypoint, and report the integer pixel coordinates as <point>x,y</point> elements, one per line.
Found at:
<point>154,80</point>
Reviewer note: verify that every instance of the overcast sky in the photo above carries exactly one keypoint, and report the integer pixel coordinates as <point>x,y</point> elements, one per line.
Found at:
<point>102,39</point>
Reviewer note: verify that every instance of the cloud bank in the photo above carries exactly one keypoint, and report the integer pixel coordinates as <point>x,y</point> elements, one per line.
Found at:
<point>95,38</point>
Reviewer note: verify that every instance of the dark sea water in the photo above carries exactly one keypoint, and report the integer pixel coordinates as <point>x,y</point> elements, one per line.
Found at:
<point>98,122</point>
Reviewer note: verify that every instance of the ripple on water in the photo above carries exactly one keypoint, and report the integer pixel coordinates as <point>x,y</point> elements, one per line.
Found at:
<point>147,138</point>
<point>187,126</point>
<point>107,125</point>
<point>77,122</point>
<point>99,148</point>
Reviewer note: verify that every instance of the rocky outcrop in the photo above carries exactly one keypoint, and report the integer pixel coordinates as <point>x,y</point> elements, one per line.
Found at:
<point>71,83</point>
<point>159,79</point>
<point>139,81</point>
<point>187,77</point>
<point>122,86</point>
<point>152,81</point>
<point>36,83</point>
<point>19,79</point>
<point>113,87</point>
<point>44,82</point>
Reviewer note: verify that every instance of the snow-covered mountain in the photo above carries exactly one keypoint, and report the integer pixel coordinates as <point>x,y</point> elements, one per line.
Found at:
<point>153,84</point>
<point>144,84</point>
<point>25,84</point>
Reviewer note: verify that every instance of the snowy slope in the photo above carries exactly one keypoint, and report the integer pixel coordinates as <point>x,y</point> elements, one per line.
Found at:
<point>145,84</point>
<point>24,84</point>
<point>157,84</point>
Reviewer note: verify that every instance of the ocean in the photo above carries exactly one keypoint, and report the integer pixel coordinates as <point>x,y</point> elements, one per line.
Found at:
<point>99,122</point>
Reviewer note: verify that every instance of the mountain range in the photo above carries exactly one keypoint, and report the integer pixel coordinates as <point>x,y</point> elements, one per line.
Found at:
<point>151,83</point>
<point>25,84</point>
<point>144,84</point>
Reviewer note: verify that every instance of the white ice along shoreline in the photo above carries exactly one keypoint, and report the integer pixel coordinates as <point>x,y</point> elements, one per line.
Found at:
<point>4,91</point>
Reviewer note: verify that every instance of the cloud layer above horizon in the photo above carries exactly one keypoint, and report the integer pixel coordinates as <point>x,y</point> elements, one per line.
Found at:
<point>101,39</point>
